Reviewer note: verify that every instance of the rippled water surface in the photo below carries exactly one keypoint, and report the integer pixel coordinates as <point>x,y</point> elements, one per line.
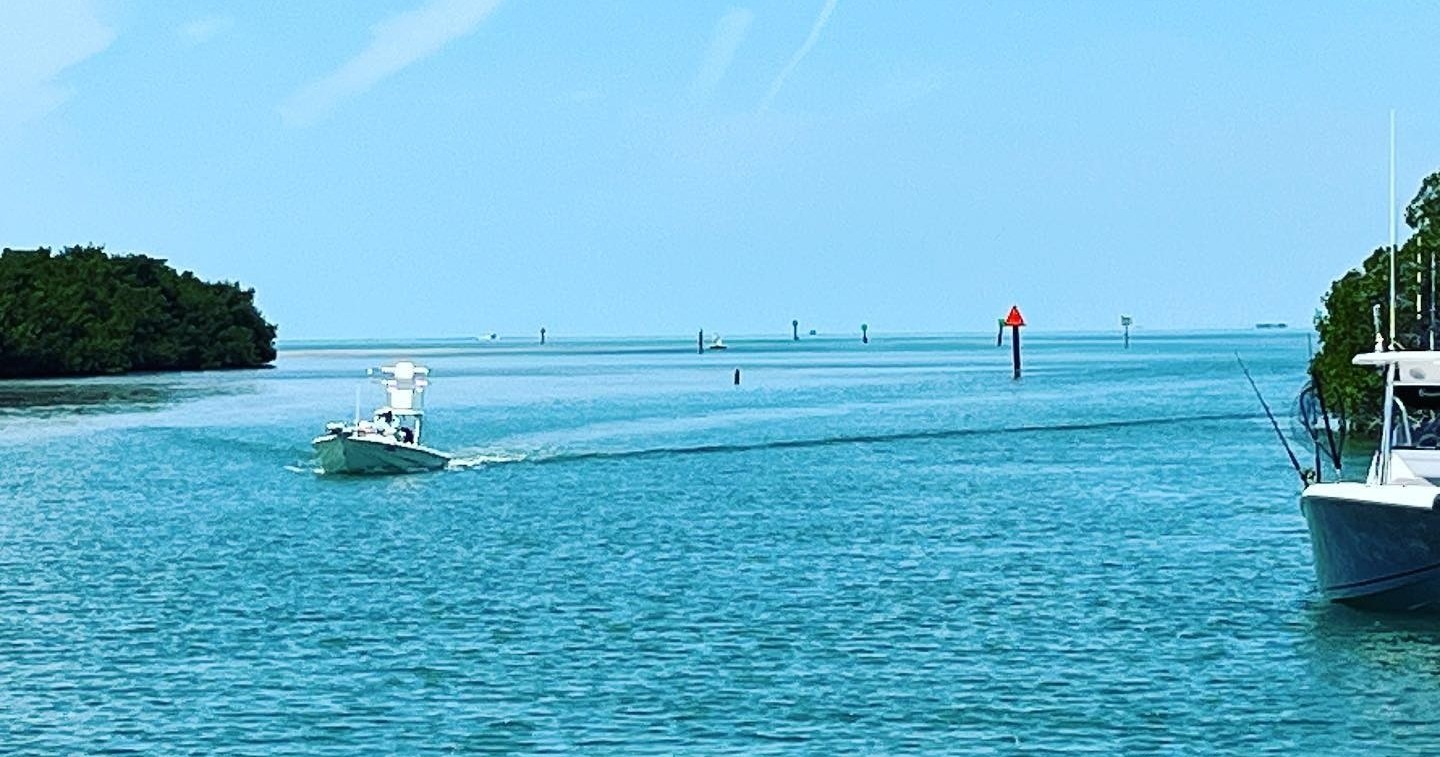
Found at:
<point>887,548</point>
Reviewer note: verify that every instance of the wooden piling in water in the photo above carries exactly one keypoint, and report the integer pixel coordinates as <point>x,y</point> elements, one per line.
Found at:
<point>542,334</point>
<point>700,342</point>
<point>864,333</point>
<point>795,330</point>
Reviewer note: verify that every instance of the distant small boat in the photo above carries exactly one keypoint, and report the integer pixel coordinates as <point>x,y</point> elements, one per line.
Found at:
<point>390,441</point>
<point>717,344</point>
<point>1272,325</point>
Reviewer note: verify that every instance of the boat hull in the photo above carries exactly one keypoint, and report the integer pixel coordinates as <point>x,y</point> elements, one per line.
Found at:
<point>1382,555</point>
<point>374,455</point>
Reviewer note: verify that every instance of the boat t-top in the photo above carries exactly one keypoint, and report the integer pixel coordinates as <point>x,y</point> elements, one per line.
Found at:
<point>390,441</point>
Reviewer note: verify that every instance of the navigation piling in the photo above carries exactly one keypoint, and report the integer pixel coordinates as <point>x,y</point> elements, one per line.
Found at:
<point>700,342</point>
<point>1000,335</point>
<point>542,334</point>
<point>1014,321</point>
<point>864,333</point>
<point>737,377</point>
<point>794,331</point>
<point>1125,321</point>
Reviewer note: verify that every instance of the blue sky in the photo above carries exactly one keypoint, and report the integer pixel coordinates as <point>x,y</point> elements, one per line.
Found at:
<point>451,167</point>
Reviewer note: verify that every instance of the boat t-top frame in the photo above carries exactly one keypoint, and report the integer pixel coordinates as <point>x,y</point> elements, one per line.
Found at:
<point>405,384</point>
<point>1412,382</point>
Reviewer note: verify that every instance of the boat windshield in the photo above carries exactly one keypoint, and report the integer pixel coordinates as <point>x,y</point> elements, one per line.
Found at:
<point>1416,420</point>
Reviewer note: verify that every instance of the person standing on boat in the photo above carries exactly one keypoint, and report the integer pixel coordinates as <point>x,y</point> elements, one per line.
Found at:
<point>384,423</point>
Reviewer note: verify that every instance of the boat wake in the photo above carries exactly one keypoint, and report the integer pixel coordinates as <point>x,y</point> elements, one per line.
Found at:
<point>495,457</point>
<point>463,460</point>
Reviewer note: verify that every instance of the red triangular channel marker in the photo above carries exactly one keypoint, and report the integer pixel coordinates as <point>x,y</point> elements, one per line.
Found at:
<point>1014,319</point>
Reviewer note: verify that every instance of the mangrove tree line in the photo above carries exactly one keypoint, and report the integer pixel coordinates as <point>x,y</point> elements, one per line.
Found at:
<point>1359,300</point>
<point>84,312</point>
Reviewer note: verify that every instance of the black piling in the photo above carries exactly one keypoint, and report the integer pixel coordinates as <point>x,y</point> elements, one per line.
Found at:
<point>1014,321</point>
<point>1000,335</point>
<point>1125,323</point>
<point>794,331</point>
<point>542,334</point>
<point>864,333</point>
<point>737,377</point>
<point>1015,349</point>
<point>700,342</point>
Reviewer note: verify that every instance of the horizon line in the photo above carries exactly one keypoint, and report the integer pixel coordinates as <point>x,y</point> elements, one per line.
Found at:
<point>780,336</point>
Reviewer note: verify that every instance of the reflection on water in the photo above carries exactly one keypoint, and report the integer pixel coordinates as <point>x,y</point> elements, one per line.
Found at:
<point>1346,639</point>
<point>65,397</point>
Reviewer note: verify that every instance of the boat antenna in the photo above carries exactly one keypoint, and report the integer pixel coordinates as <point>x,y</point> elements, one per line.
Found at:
<point>1294,461</point>
<point>368,373</point>
<point>1392,229</point>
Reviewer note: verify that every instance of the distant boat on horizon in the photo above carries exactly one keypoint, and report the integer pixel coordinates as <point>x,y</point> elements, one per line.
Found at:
<point>1272,325</point>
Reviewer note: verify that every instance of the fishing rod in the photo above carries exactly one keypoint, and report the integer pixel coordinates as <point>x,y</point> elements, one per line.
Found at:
<point>1294,461</point>
<point>1332,449</point>
<point>1335,451</point>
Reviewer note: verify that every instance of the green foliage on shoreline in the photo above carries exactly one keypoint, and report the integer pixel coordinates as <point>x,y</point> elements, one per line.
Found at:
<point>83,312</point>
<point>1347,326</point>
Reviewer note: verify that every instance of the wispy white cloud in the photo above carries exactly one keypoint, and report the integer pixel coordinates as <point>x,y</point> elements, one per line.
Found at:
<point>729,33</point>
<point>202,30</point>
<point>800,54</point>
<point>396,43</point>
<point>902,88</point>
<point>39,40</point>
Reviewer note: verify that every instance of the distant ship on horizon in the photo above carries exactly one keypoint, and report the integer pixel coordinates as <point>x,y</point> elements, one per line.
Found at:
<point>1272,325</point>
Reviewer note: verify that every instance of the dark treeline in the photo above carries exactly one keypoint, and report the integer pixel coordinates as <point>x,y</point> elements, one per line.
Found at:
<point>1357,310</point>
<point>83,312</point>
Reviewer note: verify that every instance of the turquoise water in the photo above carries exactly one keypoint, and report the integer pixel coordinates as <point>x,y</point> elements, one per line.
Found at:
<point>888,548</point>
